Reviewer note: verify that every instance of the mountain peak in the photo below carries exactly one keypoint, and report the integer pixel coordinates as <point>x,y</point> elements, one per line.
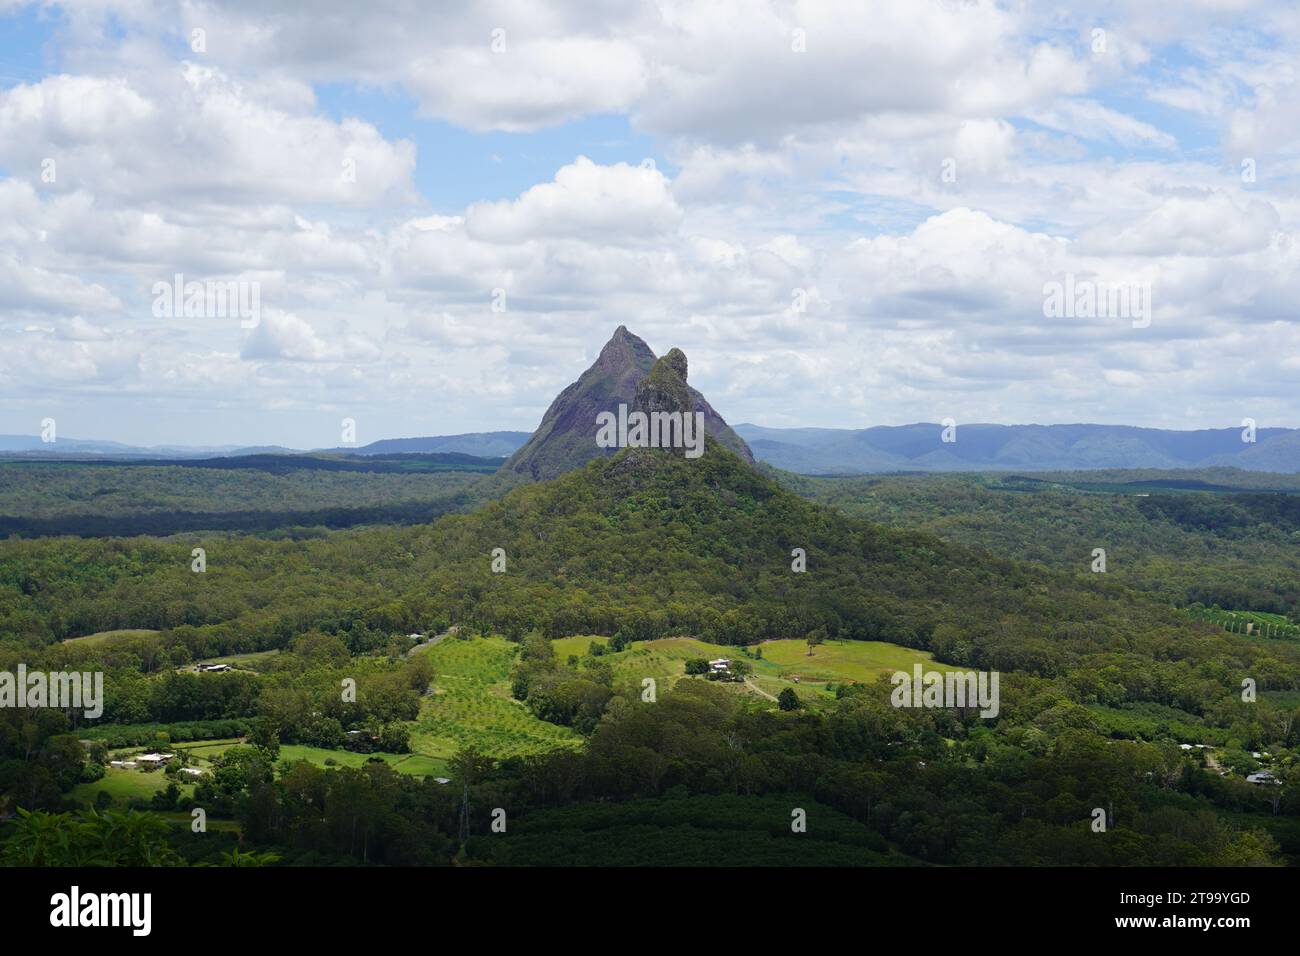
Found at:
<point>664,388</point>
<point>624,350</point>
<point>628,373</point>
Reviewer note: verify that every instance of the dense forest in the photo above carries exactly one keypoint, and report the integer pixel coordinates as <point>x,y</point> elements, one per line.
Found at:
<point>1239,550</point>
<point>257,493</point>
<point>1106,682</point>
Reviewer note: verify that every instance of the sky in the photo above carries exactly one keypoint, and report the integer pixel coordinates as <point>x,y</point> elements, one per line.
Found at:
<point>845,214</point>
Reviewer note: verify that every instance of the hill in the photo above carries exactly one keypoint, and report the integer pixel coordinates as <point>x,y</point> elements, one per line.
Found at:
<point>478,444</point>
<point>660,545</point>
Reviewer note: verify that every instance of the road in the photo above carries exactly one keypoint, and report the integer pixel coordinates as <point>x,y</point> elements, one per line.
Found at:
<point>433,640</point>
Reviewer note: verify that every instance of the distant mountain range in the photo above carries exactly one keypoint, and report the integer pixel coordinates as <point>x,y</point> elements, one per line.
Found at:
<point>33,446</point>
<point>563,439</point>
<point>979,447</point>
<point>478,444</point>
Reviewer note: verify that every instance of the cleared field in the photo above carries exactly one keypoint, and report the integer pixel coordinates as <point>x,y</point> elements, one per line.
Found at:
<point>105,637</point>
<point>782,662</point>
<point>471,705</point>
<point>417,765</point>
<point>125,786</point>
<point>837,661</point>
<point>564,646</point>
<point>204,750</point>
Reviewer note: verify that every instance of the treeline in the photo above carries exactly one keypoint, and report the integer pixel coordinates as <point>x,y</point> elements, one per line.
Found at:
<point>137,735</point>
<point>292,523</point>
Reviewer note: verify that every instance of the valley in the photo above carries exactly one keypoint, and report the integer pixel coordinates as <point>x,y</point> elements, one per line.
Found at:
<point>625,656</point>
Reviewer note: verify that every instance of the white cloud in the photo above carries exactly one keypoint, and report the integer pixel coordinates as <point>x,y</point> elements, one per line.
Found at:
<point>193,131</point>
<point>26,288</point>
<point>530,83</point>
<point>616,204</point>
<point>819,170</point>
<point>283,335</point>
<point>1208,224</point>
<point>1089,120</point>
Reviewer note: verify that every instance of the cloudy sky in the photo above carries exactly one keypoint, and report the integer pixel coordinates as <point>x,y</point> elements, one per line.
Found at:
<point>846,214</point>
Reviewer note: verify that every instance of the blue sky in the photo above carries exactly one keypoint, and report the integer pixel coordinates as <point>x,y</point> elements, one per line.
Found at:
<point>458,166</point>
<point>914,178</point>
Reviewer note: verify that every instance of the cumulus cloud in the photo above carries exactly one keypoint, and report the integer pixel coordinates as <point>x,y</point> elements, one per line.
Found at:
<point>616,203</point>
<point>801,237</point>
<point>26,288</point>
<point>283,335</point>
<point>193,130</point>
<point>527,83</point>
<point>1208,224</point>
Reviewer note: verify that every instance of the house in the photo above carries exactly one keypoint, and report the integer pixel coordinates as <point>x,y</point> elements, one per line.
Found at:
<point>442,780</point>
<point>123,764</point>
<point>153,761</point>
<point>193,771</point>
<point>720,665</point>
<point>1262,777</point>
<point>213,668</point>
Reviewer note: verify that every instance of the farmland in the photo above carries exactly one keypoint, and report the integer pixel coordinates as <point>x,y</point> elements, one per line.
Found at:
<point>783,663</point>
<point>126,786</point>
<point>471,706</point>
<point>861,661</point>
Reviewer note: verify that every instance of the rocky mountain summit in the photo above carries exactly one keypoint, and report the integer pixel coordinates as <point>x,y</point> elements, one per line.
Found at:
<point>626,373</point>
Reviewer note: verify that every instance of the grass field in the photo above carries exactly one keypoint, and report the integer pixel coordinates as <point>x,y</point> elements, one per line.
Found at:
<point>834,662</point>
<point>419,765</point>
<point>105,637</point>
<point>204,750</point>
<point>125,786</point>
<point>564,646</point>
<point>471,705</point>
<point>838,661</point>
<point>782,661</point>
